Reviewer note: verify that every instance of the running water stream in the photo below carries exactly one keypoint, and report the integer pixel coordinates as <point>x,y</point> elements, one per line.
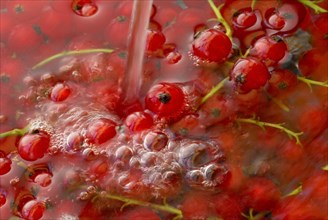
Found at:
<point>136,49</point>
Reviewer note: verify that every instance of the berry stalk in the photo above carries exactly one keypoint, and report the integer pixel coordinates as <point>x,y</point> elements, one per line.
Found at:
<point>311,4</point>
<point>219,16</point>
<point>214,90</point>
<point>69,53</point>
<point>165,207</point>
<point>311,82</point>
<point>325,167</point>
<point>296,191</point>
<point>280,126</point>
<point>14,132</point>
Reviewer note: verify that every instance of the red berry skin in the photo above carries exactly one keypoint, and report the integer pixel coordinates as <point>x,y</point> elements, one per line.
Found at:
<point>5,165</point>
<point>165,100</point>
<point>197,205</point>
<point>315,187</point>
<point>248,74</point>
<point>228,206</point>
<point>297,207</point>
<point>260,194</point>
<point>33,146</point>
<point>138,121</point>
<point>139,213</point>
<point>281,81</point>
<point>155,41</point>
<point>212,45</point>
<point>3,198</point>
<point>119,25</point>
<point>24,38</point>
<point>84,8</point>
<point>270,49</point>
<point>101,131</point>
<point>33,210</point>
<point>60,92</point>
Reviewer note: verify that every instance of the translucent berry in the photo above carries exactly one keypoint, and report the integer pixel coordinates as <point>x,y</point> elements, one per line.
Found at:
<point>33,210</point>
<point>244,18</point>
<point>84,8</point>
<point>165,100</point>
<point>5,165</point>
<point>60,92</point>
<point>155,41</point>
<point>212,45</point>
<point>101,131</point>
<point>139,121</point>
<point>33,146</point>
<point>248,74</point>
<point>270,49</point>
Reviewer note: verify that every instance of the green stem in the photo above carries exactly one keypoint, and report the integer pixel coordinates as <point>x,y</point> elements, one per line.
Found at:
<point>317,9</point>
<point>278,102</point>
<point>72,52</point>
<point>325,167</point>
<point>272,125</point>
<point>214,90</point>
<point>165,208</point>
<point>310,82</point>
<point>14,132</point>
<point>253,4</point>
<point>296,191</point>
<point>220,18</point>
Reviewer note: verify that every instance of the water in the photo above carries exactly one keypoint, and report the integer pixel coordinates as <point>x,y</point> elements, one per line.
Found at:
<point>137,44</point>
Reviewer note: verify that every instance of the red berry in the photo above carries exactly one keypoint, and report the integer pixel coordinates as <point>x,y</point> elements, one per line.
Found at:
<point>165,100</point>
<point>138,121</point>
<point>119,25</point>
<point>248,74</point>
<point>33,146</point>
<point>197,205</point>
<point>24,38</point>
<point>281,81</point>
<point>244,18</point>
<point>5,165</point>
<point>270,49</point>
<point>274,20</point>
<point>84,8</point>
<point>227,206</point>
<point>212,45</point>
<point>260,194</point>
<point>315,187</point>
<point>3,198</point>
<point>33,210</point>
<point>155,41</point>
<point>138,213</point>
<point>101,131</point>
<point>60,92</point>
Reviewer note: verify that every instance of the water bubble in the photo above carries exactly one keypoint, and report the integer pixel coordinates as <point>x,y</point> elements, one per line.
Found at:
<point>194,155</point>
<point>74,141</point>
<point>124,153</point>
<point>195,177</point>
<point>148,159</point>
<point>155,141</point>
<point>214,175</point>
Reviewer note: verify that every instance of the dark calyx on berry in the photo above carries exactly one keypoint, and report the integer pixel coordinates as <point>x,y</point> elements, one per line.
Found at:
<point>165,100</point>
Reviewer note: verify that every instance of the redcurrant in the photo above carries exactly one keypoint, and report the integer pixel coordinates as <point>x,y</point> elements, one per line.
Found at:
<point>212,45</point>
<point>248,74</point>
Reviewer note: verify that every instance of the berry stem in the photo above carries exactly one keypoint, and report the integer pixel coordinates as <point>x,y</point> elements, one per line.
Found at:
<point>165,207</point>
<point>311,4</point>
<point>253,4</point>
<point>325,167</point>
<point>311,82</point>
<point>251,216</point>
<point>220,18</point>
<point>214,90</point>
<point>278,102</point>
<point>295,192</point>
<point>16,131</point>
<point>272,125</point>
<point>71,52</point>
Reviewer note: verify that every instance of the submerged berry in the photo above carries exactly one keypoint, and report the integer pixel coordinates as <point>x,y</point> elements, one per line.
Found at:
<point>101,131</point>
<point>33,146</point>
